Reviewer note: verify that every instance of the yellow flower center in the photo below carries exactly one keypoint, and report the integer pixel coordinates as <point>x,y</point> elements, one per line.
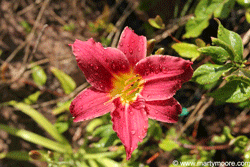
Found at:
<point>127,86</point>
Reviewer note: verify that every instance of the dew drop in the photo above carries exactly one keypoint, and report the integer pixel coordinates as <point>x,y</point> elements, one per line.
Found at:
<point>139,49</point>
<point>131,113</point>
<point>91,65</point>
<point>132,132</point>
<point>86,93</point>
<point>121,44</point>
<point>128,45</point>
<point>96,74</point>
<point>96,67</point>
<point>125,52</point>
<point>123,66</point>
<point>130,51</point>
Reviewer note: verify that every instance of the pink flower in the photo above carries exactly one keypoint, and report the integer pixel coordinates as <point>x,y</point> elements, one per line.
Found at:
<point>128,84</point>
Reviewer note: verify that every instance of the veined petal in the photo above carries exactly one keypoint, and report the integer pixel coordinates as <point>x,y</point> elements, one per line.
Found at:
<point>133,46</point>
<point>99,64</point>
<point>163,76</point>
<point>130,123</point>
<point>90,103</point>
<point>164,110</point>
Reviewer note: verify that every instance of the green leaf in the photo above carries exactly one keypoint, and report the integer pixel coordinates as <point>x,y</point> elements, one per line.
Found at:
<point>35,138</point>
<point>16,155</point>
<point>31,99</point>
<point>62,107</point>
<point>224,9</point>
<point>224,45</point>
<point>168,145</point>
<point>156,22</point>
<point>186,50</point>
<point>108,162</point>
<point>200,43</point>
<point>205,8</point>
<point>247,14</point>
<point>209,73</point>
<point>93,124</point>
<point>245,3</point>
<point>93,163</point>
<point>39,76</point>
<point>241,74</point>
<point>195,26</point>
<point>40,120</point>
<point>61,126</point>
<point>67,83</point>
<point>233,92</point>
<point>232,39</point>
<point>218,54</point>
<point>154,130</point>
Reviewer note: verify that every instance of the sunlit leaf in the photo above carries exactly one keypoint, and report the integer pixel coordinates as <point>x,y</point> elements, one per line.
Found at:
<point>168,144</point>
<point>157,22</point>
<point>93,124</point>
<point>218,54</point>
<point>67,83</point>
<point>40,120</point>
<point>233,92</point>
<point>232,39</point>
<point>209,73</point>
<point>16,155</point>
<point>39,76</point>
<point>61,126</point>
<point>195,26</point>
<point>61,108</point>
<point>31,99</point>
<point>108,162</point>
<point>224,9</point>
<point>186,50</point>
<point>245,3</point>
<point>35,138</point>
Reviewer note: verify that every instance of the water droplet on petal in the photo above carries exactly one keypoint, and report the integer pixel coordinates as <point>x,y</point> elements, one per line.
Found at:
<point>128,45</point>
<point>131,113</point>
<point>120,44</point>
<point>132,132</point>
<point>96,67</point>
<point>86,93</point>
<point>96,74</point>
<point>139,49</point>
<point>125,52</point>
<point>130,51</point>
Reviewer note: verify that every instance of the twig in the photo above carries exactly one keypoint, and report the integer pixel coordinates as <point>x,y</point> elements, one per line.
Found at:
<point>129,9</point>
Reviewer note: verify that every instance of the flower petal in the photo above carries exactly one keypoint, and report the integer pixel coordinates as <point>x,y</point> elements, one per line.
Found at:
<point>163,76</point>
<point>164,110</point>
<point>99,64</point>
<point>130,123</point>
<point>90,103</point>
<point>133,46</point>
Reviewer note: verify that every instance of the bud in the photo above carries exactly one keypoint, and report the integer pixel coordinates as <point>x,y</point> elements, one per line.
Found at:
<point>150,46</point>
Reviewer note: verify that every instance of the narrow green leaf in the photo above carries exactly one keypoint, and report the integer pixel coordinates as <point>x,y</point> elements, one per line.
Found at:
<point>150,46</point>
<point>232,39</point>
<point>160,51</point>
<point>209,73</point>
<point>223,10</point>
<point>16,155</point>
<point>61,126</point>
<point>61,108</point>
<point>247,14</point>
<point>186,50</point>
<point>93,124</point>
<point>205,8</point>
<point>39,76</point>
<point>195,26</point>
<point>233,92</point>
<point>93,163</point>
<point>31,99</point>
<point>157,22</point>
<point>108,162</point>
<point>35,138</point>
<point>41,120</point>
<point>67,83</point>
<point>218,54</point>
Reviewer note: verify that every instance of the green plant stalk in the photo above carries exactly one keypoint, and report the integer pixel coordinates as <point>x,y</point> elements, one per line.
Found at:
<point>17,155</point>
<point>99,155</point>
<point>35,138</point>
<point>42,121</point>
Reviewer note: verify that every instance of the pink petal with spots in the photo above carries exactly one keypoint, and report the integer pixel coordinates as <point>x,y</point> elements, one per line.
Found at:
<point>130,123</point>
<point>164,110</point>
<point>133,46</point>
<point>99,64</point>
<point>90,103</point>
<point>163,76</point>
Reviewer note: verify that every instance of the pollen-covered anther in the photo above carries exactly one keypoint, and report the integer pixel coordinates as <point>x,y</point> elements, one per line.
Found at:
<point>127,87</point>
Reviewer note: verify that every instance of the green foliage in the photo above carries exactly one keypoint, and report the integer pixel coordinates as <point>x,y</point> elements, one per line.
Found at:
<point>209,73</point>
<point>168,144</point>
<point>31,99</point>
<point>218,54</point>
<point>203,13</point>
<point>157,22</point>
<point>61,107</point>
<point>186,50</point>
<point>39,76</point>
<point>69,27</point>
<point>67,83</point>
<point>16,155</point>
<point>27,27</point>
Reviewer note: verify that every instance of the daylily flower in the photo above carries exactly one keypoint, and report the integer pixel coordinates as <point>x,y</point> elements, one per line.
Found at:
<point>128,84</point>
